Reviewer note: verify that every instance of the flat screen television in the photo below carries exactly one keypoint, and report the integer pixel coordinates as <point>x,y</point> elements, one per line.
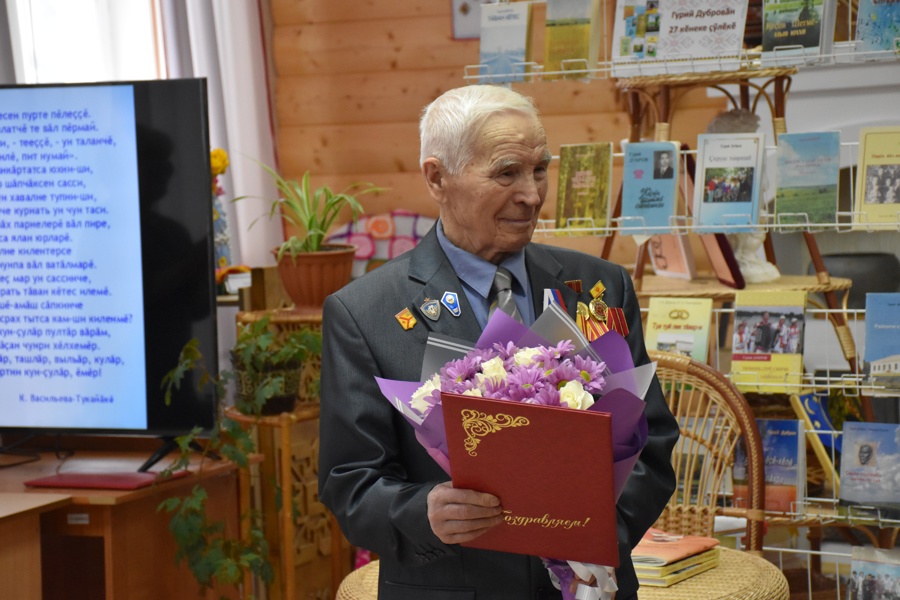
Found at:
<point>106,256</point>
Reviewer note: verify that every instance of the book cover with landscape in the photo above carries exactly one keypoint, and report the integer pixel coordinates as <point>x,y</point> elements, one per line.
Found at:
<point>870,462</point>
<point>882,345</point>
<point>784,455</point>
<point>505,41</point>
<point>767,344</point>
<point>572,34</point>
<point>582,200</point>
<point>649,187</point>
<point>878,179</point>
<point>807,170</point>
<point>679,325</point>
<point>727,189</point>
<point>795,30</point>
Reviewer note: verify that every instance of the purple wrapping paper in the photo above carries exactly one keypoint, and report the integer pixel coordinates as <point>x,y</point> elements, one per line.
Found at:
<point>629,424</point>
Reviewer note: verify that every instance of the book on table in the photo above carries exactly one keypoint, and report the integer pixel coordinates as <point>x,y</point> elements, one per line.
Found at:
<point>689,567</point>
<point>662,559</point>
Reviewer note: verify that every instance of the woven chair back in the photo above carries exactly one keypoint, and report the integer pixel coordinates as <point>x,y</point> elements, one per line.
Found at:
<point>713,418</point>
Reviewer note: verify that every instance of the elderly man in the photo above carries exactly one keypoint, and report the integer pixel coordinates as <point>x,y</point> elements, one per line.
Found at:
<point>484,158</point>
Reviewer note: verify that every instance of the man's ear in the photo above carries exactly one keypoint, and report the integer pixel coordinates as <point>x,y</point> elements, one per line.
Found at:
<point>435,179</point>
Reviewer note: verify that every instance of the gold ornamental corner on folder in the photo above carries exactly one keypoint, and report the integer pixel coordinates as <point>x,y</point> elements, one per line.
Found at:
<point>478,424</point>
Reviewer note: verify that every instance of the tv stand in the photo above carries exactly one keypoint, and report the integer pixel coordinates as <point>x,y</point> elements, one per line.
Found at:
<point>169,445</point>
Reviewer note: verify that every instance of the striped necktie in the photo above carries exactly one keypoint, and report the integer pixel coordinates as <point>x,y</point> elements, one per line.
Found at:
<point>501,295</point>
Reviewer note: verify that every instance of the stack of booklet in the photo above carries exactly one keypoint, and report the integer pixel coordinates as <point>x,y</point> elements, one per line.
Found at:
<point>662,559</point>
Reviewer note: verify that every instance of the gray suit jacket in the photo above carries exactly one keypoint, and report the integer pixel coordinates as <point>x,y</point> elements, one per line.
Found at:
<point>375,477</point>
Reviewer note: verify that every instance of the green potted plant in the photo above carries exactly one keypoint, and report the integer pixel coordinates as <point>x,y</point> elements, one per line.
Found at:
<point>264,362</point>
<point>309,267</point>
<point>267,366</point>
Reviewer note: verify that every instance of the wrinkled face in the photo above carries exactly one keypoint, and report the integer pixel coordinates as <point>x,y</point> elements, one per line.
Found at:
<point>492,208</point>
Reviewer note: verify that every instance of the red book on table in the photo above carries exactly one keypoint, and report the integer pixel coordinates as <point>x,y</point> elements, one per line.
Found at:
<point>552,469</point>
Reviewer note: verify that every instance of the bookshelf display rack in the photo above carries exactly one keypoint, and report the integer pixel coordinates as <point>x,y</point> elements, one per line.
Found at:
<point>655,98</point>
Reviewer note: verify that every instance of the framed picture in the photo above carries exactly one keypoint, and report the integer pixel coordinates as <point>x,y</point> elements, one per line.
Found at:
<point>671,256</point>
<point>722,260</point>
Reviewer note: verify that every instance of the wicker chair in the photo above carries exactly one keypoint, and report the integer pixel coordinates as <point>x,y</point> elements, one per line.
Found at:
<point>713,418</point>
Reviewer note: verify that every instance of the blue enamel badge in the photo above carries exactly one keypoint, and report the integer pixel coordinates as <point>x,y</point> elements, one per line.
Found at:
<point>451,302</point>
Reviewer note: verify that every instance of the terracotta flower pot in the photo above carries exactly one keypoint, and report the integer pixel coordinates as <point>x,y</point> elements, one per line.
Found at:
<point>310,277</point>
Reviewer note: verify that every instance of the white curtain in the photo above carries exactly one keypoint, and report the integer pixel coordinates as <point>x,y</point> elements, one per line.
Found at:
<point>222,41</point>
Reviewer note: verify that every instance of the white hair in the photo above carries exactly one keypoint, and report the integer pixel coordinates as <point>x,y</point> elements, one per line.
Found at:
<point>451,123</point>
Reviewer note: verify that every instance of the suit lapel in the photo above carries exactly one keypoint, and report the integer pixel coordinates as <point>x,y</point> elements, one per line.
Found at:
<point>430,267</point>
<point>544,272</point>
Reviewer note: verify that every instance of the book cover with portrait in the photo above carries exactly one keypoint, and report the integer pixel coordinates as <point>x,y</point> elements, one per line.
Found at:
<point>582,200</point>
<point>807,169</point>
<point>767,343</point>
<point>882,345</point>
<point>727,190</point>
<point>649,187</point>
<point>870,462</point>
<point>784,457</point>
<point>679,325</point>
<point>878,179</point>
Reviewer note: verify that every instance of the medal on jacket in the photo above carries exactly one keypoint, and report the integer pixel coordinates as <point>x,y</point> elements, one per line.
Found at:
<point>611,318</point>
<point>451,302</point>
<point>591,328</point>
<point>431,309</point>
<point>406,319</point>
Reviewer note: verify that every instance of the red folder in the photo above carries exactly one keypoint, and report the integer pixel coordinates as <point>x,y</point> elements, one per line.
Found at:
<point>130,480</point>
<point>552,469</point>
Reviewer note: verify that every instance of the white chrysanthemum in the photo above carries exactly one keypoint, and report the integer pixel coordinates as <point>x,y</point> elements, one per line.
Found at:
<point>525,356</point>
<point>573,395</point>
<point>493,369</point>
<point>473,392</point>
<point>421,399</point>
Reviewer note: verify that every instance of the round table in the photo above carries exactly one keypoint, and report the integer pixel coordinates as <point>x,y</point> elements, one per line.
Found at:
<point>739,576</point>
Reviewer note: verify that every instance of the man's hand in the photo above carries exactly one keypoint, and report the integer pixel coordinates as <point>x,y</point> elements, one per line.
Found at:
<point>458,516</point>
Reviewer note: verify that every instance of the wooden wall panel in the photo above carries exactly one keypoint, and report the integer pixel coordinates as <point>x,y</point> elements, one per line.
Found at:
<point>352,76</point>
<point>301,12</point>
<point>371,46</point>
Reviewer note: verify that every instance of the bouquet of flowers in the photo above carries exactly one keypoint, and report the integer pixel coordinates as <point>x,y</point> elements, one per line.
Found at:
<point>550,364</point>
